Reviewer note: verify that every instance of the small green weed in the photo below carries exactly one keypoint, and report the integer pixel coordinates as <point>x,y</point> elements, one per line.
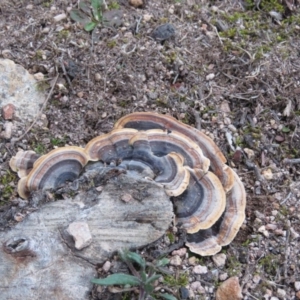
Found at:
<point>89,14</point>
<point>58,142</point>
<point>143,277</point>
<point>113,5</point>
<point>172,281</point>
<point>6,182</point>
<point>40,149</point>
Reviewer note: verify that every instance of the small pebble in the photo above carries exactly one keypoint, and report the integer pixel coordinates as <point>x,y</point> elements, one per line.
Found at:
<point>59,17</point>
<point>180,252</point>
<point>175,260</point>
<point>297,285</point>
<point>192,260</point>
<point>219,260</point>
<point>106,267</point>
<point>200,269</point>
<point>223,276</point>
<point>184,293</point>
<point>8,111</point>
<point>126,198</point>
<point>210,76</point>
<point>281,293</point>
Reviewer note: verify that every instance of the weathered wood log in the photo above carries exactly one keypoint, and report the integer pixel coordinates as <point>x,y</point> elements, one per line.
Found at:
<point>38,258</point>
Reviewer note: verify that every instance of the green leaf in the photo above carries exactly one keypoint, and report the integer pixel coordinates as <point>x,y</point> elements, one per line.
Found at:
<point>152,278</point>
<point>133,257</point>
<point>167,296</point>
<point>162,262</point>
<point>143,276</point>
<point>117,279</point>
<point>85,6</point>
<point>80,17</point>
<point>90,26</point>
<point>285,129</point>
<point>96,7</point>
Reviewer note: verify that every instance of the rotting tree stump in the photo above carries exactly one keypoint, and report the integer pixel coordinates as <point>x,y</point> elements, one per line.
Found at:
<point>38,259</point>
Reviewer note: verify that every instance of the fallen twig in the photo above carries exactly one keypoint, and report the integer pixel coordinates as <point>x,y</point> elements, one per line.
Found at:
<point>291,161</point>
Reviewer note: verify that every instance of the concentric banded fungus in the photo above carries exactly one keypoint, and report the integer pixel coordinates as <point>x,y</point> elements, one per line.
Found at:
<point>210,241</point>
<point>209,205</point>
<point>147,120</point>
<point>23,162</point>
<point>168,169</point>
<point>163,143</point>
<point>53,169</point>
<point>202,203</point>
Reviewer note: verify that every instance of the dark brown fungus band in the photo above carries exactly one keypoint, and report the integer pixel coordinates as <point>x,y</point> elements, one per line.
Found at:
<point>163,143</point>
<point>54,169</point>
<point>202,203</point>
<point>111,146</point>
<point>210,241</point>
<point>150,120</point>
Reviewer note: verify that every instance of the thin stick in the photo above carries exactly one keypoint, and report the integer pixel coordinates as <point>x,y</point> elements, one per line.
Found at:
<point>40,112</point>
<point>291,161</point>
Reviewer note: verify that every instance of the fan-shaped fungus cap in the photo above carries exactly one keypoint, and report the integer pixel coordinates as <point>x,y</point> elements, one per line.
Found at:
<point>111,146</point>
<point>129,144</point>
<point>203,202</point>
<point>53,169</point>
<point>150,120</point>
<point>169,168</point>
<point>23,161</point>
<point>210,241</point>
<point>163,143</point>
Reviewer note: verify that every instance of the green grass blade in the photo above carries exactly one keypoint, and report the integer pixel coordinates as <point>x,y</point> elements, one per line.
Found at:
<point>152,278</point>
<point>96,7</point>
<point>167,296</point>
<point>117,279</point>
<point>133,257</point>
<point>80,17</point>
<point>162,262</point>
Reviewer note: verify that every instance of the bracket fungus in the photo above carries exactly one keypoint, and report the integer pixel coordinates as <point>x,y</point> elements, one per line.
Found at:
<point>52,170</point>
<point>208,196</point>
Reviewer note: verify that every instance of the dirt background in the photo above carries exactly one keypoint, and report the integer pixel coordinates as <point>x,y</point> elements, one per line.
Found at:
<point>231,70</point>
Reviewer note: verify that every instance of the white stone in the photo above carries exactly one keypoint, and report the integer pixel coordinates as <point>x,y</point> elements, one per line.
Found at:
<point>60,17</point>
<point>294,234</point>
<point>7,133</point>
<point>81,234</point>
<point>219,260</point>
<point>268,174</point>
<point>250,153</point>
<point>281,293</point>
<point>106,267</point>
<point>39,76</point>
<point>19,88</point>
<point>147,17</point>
<point>175,260</point>
<point>271,226</point>
<point>210,76</point>
<point>197,287</point>
<point>200,269</point>
<point>223,276</point>
<point>297,285</point>
<point>180,252</point>
<point>192,260</point>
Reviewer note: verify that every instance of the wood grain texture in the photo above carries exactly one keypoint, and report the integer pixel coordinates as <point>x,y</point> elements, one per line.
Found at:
<point>38,258</point>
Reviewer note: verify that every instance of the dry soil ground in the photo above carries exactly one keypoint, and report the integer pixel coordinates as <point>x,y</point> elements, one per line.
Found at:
<point>232,69</point>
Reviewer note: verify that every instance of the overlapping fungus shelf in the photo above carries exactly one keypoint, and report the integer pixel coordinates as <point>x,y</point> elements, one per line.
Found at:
<point>208,196</point>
